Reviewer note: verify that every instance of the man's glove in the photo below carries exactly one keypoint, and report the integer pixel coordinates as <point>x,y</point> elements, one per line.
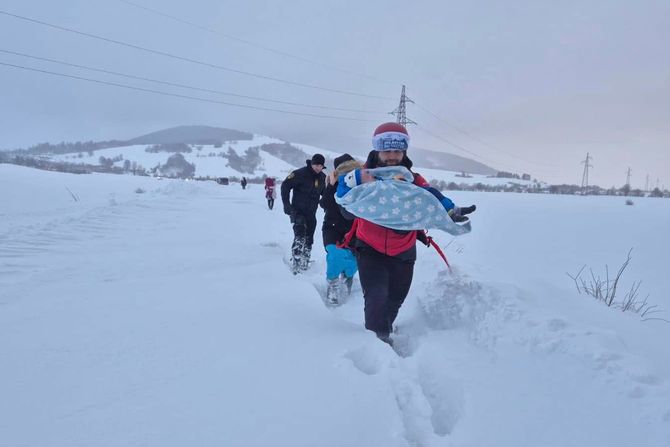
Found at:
<point>422,237</point>
<point>288,210</point>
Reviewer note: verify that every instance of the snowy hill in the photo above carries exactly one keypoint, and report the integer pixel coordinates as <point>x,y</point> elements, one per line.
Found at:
<point>207,148</point>
<point>138,311</point>
<point>443,161</point>
<point>210,159</point>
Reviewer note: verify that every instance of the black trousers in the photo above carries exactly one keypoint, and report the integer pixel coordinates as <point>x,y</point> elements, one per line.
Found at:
<point>385,281</point>
<point>304,227</point>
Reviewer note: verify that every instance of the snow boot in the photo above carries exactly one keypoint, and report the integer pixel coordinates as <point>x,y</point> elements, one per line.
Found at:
<point>334,292</point>
<point>297,251</point>
<point>349,281</point>
<point>468,209</point>
<point>385,337</point>
<point>305,256</point>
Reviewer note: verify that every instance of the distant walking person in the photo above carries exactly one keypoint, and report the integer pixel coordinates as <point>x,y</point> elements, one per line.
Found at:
<point>244,183</point>
<point>270,193</point>
<point>307,184</point>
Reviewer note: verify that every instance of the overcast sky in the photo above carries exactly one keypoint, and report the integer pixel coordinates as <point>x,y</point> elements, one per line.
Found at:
<point>530,86</point>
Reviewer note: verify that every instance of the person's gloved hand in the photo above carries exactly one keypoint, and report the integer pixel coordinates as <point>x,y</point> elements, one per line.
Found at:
<point>422,237</point>
<point>288,210</point>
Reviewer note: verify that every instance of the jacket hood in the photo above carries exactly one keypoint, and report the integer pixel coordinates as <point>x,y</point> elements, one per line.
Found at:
<point>347,166</point>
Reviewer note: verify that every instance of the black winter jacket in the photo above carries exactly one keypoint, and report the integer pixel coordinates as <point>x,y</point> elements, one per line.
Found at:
<point>307,187</point>
<point>335,225</point>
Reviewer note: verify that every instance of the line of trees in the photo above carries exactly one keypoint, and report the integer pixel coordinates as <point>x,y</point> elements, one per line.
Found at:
<point>539,188</point>
<point>169,147</point>
<point>70,147</point>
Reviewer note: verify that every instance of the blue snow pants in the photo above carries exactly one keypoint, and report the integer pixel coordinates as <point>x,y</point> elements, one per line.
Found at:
<point>340,260</point>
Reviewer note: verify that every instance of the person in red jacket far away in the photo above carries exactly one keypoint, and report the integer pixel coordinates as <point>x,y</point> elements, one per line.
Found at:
<point>270,193</point>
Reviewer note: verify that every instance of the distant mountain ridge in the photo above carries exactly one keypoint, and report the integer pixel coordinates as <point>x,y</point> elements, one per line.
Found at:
<point>441,160</point>
<point>192,135</point>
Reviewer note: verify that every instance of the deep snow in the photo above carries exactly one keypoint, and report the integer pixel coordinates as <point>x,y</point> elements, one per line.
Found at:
<point>170,318</point>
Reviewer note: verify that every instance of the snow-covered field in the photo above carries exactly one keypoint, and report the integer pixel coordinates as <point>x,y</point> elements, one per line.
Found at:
<point>169,318</point>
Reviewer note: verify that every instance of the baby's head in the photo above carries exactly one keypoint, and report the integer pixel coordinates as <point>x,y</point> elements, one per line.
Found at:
<point>357,177</point>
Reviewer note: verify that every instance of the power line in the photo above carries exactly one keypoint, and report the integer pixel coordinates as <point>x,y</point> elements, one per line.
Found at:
<point>174,84</point>
<point>254,44</point>
<point>401,117</point>
<point>187,59</point>
<point>451,143</point>
<point>479,140</point>
<point>176,95</point>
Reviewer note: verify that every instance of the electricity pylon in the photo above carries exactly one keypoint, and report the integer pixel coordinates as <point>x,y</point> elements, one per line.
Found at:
<point>585,175</point>
<point>401,112</point>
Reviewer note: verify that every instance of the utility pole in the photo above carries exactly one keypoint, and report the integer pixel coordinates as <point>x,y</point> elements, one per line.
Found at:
<point>585,175</point>
<point>646,185</point>
<point>401,112</point>
<point>628,177</point>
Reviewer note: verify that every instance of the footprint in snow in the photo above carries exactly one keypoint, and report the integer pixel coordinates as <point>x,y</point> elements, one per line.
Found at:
<point>365,359</point>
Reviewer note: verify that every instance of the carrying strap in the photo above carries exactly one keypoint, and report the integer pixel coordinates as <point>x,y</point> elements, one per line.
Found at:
<point>349,236</point>
<point>438,249</point>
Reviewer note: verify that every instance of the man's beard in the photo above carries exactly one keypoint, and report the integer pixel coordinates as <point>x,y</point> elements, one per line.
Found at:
<point>392,162</point>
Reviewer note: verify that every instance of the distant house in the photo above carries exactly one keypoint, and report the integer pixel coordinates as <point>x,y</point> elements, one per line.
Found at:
<point>525,177</point>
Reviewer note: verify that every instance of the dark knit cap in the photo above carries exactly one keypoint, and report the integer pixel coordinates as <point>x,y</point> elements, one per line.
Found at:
<point>341,159</point>
<point>318,159</point>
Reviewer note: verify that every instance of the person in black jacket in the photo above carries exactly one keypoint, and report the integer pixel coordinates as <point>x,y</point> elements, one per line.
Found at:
<point>340,262</point>
<point>307,184</point>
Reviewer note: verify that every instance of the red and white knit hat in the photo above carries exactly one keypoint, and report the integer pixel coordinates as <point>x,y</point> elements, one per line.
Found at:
<point>390,137</point>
